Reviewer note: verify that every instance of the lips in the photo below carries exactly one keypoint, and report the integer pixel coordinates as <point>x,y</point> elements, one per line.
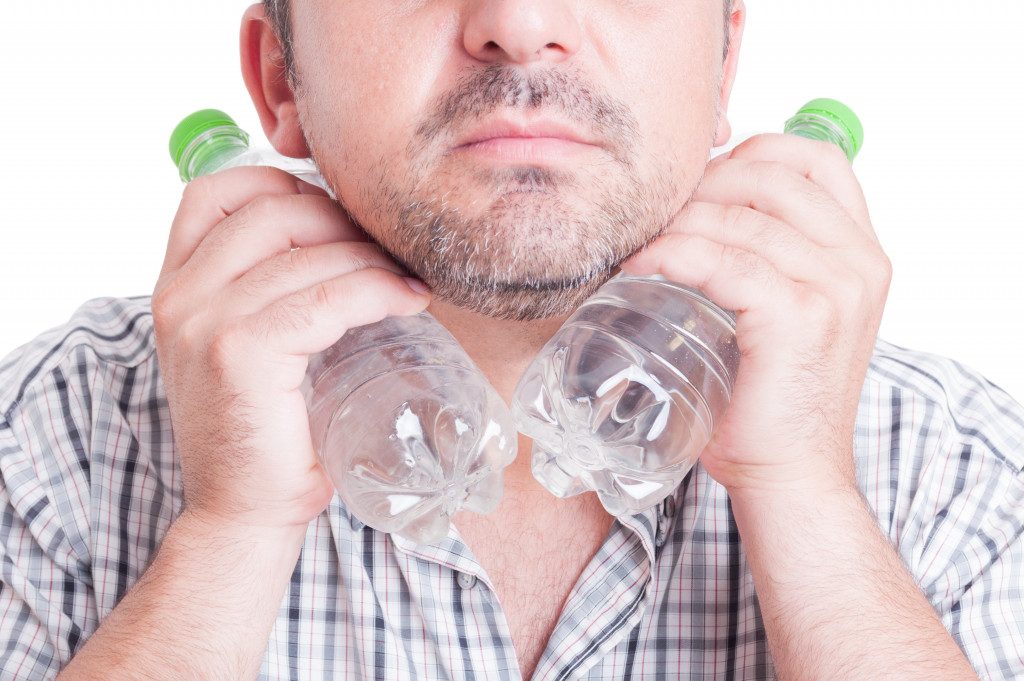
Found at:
<point>525,131</point>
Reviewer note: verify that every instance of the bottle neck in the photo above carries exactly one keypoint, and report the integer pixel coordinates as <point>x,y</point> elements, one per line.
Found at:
<point>210,150</point>
<point>817,127</point>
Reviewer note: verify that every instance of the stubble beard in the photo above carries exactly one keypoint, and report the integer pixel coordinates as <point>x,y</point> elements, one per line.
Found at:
<point>547,239</point>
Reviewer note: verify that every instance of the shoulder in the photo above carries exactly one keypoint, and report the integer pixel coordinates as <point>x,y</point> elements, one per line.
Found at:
<point>86,448</point>
<point>105,333</point>
<point>922,396</point>
<point>940,453</point>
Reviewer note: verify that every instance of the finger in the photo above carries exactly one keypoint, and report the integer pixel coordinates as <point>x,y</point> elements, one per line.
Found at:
<point>301,268</point>
<point>823,163</point>
<point>788,250</point>
<point>265,227</point>
<point>777,190</point>
<point>734,278</point>
<point>210,199</point>
<point>311,319</point>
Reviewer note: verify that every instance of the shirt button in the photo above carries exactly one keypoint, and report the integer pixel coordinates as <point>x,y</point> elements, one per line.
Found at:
<point>669,507</point>
<point>466,580</point>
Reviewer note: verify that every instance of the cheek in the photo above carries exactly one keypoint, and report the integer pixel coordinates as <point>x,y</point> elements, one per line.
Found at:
<point>362,99</point>
<point>669,60</point>
<point>679,96</point>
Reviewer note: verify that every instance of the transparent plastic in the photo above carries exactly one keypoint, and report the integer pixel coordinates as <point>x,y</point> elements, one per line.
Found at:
<point>626,395</point>
<point>407,427</point>
<point>228,147</point>
<point>409,430</point>
<point>820,128</point>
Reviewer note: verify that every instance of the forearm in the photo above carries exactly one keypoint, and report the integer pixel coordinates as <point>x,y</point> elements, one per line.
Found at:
<point>203,609</point>
<point>837,601</point>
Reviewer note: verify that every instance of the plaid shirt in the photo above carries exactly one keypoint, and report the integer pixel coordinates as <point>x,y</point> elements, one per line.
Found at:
<point>91,484</point>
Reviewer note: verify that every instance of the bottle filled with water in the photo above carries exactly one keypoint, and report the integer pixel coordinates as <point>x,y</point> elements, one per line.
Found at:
<point>407,427</point>
<point>626,395</point>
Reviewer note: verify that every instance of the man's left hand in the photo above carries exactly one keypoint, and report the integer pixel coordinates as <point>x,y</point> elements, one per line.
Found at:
<point>779,232</point>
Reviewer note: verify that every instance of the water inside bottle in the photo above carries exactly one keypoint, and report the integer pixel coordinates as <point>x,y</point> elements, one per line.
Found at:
<point>408,431</point>
<point>627,394</point>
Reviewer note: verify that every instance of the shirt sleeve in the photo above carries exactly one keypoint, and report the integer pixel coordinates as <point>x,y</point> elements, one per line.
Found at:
<point>970,557</point>
<point>988,617</point>
<point>944,473</point>
<point>47,606</point>
<point>82,504</point>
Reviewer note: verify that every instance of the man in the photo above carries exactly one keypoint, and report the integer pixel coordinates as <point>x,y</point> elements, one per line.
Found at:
<point>509,155</point>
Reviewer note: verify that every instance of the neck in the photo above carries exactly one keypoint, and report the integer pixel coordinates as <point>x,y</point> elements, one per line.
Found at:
<point>502,349</point>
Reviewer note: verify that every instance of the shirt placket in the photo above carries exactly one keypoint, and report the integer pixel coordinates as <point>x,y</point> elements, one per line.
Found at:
<point>607,602</point>
<point>482,647</point>
<point>610,597</point>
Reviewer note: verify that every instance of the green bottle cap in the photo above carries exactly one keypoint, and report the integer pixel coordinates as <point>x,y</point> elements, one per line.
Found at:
<point>194,125</point>
<point>839,114</point>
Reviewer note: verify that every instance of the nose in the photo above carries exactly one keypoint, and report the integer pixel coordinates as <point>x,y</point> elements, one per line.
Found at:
<point>522,31</point>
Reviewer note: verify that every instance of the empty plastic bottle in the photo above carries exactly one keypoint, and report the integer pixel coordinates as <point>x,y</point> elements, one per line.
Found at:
<point>626,395</point>
<point>407,427</point>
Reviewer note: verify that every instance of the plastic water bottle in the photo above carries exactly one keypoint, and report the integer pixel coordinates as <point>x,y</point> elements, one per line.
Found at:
<point>407,427</point>
<point>627,394</point>
<point>209,140</point>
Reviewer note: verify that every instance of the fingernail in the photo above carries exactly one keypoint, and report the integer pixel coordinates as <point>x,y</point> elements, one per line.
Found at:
<point>417,285</point>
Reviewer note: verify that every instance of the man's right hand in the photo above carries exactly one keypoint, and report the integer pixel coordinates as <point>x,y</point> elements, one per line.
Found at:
<point>261,271</point>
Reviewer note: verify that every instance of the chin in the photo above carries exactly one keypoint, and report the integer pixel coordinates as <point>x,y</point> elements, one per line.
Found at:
<point>522,300</point>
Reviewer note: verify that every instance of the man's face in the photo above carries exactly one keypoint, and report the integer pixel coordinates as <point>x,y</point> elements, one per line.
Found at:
<point>510,153</point>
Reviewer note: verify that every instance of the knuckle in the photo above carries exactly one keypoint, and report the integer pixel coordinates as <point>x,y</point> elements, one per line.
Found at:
<point>821,201</point>
<point>256,213</point>
<point>164,306</point>
<point>161,306</point>
<point>183,342</point>
<point>719,255</point>
<point>298,259</point>
<point>190,332</point>
<point>294,312</point>
<point>269,274</point>
<point>818,307</point>
<point>832,153</point>
<point>321,295</point>
<point>231,344</point>
<point>364,256</point>
<point>239,221</point>
<point>771,238</point>
<point>883,270</point>
<point>752,266</point>
<point>744,261</point>
<point>875,272</point>
<point>735,216</point>
<point>227,344</point>
<point>261,206</point>
<point>769,174</point>
<point>199,190</point>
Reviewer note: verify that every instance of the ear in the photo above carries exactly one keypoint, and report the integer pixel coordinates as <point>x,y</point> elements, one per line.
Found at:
<point>266,79</point>
<point>737,20</point>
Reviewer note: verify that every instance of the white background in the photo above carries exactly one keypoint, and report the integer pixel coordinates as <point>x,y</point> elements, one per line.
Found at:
<point>91,91</point>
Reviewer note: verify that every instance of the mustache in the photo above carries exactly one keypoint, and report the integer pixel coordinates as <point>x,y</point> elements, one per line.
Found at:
<point>501,86</point>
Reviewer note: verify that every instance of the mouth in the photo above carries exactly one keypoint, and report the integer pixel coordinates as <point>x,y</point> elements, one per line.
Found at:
<point>538,142</point>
